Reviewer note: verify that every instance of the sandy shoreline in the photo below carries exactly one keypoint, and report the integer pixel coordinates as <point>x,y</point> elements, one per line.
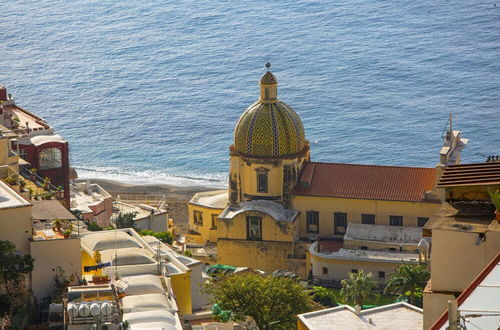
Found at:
<point>176,197</point>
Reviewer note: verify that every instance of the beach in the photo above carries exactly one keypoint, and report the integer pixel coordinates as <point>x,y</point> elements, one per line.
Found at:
<point>176,197</point>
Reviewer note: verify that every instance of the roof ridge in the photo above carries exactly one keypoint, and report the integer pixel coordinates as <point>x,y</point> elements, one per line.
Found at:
<point>375,165</point>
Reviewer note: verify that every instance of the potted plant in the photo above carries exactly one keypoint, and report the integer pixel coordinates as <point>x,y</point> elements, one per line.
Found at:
<point>33,174</point>
<point>57,224</point>
<point>495,199</point>
<point>68,231</point>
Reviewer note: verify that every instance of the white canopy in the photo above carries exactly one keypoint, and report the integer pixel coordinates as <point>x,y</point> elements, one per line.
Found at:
<point>142,319</point>
<point>111,239</point>
<point>127,256</point>
<point>146,302</point>
<point>140,284</point>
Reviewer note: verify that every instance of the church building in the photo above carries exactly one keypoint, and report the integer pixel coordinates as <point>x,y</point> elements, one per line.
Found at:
<point>279,202</point>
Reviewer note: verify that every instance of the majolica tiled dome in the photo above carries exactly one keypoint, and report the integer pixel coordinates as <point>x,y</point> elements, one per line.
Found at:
<point>269,128</point>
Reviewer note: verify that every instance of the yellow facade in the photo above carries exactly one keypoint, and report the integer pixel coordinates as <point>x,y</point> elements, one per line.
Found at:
<point>268,254</point>
<point>9,158</point>
<point>207,228</point>
<point>181,285</point>
<point>88,260</point>
<point>243,175</point>
<point>354,208</point>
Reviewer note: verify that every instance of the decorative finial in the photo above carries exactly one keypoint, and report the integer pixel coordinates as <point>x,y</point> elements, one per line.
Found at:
<point>268,65</point>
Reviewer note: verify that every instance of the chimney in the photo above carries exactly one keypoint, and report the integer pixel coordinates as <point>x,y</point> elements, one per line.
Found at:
<point>3,93</point>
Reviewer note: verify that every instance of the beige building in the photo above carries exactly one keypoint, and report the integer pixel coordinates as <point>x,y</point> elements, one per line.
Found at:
<point>375,249</point>
<point>15,218</point>
<point>51,249</point>
<point>478,306</point>
<point>146,216</point>
<point>465,235</point>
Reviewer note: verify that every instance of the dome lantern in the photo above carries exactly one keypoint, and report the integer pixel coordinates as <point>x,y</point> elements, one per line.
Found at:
<point>268,87</point>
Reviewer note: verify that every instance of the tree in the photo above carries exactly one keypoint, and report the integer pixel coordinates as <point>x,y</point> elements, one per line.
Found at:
<point>272,302</point>
<point>324,296</point>
<point>126,220</point>
<point>357,287</point>
<point>13,266</point>
<point>408,281</point>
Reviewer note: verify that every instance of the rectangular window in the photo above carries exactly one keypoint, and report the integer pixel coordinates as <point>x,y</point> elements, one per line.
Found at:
<point>368,219</point>
<point>340,223</point>
<point>254,228</point>
<point>355,271</point>
<point>198,218</point>
<point>214,221</point>
<point>364,247</point>
<point>395,220</point>
<point>312,222</point>
<point>381,274</point>
<point>421,221</point>
<point>262,182</point>
<point>325,271</point>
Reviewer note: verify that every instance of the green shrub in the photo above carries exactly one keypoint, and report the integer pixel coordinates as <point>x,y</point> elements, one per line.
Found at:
<point>93,226</point>
<point>163,236</point>
<point>324,296</point>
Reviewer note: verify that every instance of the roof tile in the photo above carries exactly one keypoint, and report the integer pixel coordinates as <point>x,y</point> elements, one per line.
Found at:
<point>366,182</point>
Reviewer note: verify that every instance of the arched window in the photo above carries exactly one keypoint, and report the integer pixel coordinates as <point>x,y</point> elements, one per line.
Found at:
<point>49,158</point>
<point>262,180</point>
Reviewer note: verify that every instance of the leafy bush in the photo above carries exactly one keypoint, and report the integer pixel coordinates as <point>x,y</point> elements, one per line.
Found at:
<point>164,236</point>
<point>324,296</point>
<point>126,220</point>
<point>93,226</point>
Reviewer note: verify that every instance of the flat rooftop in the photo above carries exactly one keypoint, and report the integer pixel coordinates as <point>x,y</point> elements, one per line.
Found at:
<point>463,216</point>
<point>9,198</point>
<point>26,118</point>
<point>216,199</point>
<point>394,316</point>
<point>83,196</point>
<point>120,207</point>
<point>365,255</point>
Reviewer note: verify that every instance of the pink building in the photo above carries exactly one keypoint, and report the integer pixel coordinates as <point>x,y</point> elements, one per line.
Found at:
<point>95,203</point>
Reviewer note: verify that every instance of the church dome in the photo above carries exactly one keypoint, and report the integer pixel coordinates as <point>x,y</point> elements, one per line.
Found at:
<point>269,128</point>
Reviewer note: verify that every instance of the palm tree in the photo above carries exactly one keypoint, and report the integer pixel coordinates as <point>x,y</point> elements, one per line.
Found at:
<point>408,280</point>
<point>357,287</point>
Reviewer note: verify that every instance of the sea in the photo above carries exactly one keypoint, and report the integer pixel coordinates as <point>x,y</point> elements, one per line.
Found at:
<point>149,91</point>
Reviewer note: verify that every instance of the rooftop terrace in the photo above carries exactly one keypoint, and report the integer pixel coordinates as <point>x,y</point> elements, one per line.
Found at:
<point>9,198</point>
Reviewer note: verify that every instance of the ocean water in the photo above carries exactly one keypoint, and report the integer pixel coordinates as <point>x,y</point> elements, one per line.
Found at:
<point>150,91</point>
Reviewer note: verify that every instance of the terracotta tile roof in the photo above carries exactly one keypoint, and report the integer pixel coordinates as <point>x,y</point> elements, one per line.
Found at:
<point>470,174</point>
<point>393,183</point>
